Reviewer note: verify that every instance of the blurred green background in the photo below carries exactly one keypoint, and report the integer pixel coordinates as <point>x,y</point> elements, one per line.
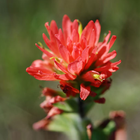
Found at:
<point>22,25</point>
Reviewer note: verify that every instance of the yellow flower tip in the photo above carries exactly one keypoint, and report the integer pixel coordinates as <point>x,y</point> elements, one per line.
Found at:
<point>80,28</point>
<point>104,35</point>
<point>97,76</point>
<point>56,58</point>
<point>40,44</point>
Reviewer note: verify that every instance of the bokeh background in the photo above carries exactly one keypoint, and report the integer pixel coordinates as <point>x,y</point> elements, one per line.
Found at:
<point>22,25</point>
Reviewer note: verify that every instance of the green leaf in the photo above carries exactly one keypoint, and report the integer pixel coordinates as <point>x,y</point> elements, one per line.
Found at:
<point>97,90</point>
<point>70,105</point>
<point>98,134</point>
<point>109,128</point>
<point>71,124</point>
<point>62,94</point>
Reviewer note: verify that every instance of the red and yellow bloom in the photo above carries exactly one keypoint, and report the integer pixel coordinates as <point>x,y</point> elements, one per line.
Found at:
<point>75,56</point>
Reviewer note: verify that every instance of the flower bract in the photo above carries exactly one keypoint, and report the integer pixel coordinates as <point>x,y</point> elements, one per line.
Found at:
<point>75,57</point>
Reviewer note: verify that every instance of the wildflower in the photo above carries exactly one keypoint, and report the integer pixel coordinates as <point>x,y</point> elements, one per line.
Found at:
<point>75,57</point>
<point>51,98</point>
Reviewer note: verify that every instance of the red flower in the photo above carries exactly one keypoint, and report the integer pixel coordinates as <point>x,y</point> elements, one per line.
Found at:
<point>67,88</point>
<point>75,55</point>
<point>51,98</point>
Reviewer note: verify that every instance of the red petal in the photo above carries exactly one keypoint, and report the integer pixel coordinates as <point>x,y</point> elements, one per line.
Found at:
<point>45,57</point>
<point>49,44</point>
<point>49,92</point>
<point>83,42</point>
<point>66,25</point>
<point>53,111</point>
<point>85,55</point>
<point>75,36</point>
<point>52,44</point>
<point>93,94</point>
<point>42,64</point>
<point>113,69</point>
<point>107,37</point>
<point>65,84</point>
<point>40,73</point>
<point>39,63</point>
<point>92,39</point>
<point>104,68</point>
<point>96,83</point>
<point>61,37</point>
<point>54,27</point>
<point>84,91</point>
<point>64,76</point>
<point>110,56</point>
<point>115,63</point>
<point>87,30</point>
<point>68,89</point>
<point>114,66</point>
<point>64,53</point>
<point>98,30</point>
<point>112,40</point>
<point>75,52</point>
<point>104,43</point>
<point>45,51</point>
<point>100,101</point>
<point>105,74</point>
<point>104,49</point>
<point>108,66</point>
<point>102,52</point>
<point>75,25</point>
<point>109,45</point>
<point>106,58</point>
<point>69,44</point>
<point>88,76</point>
<point>61,67</point>
<point>75,67</point>
<point>53,40</point>
<point>91,59</point>
<point>42,124</point>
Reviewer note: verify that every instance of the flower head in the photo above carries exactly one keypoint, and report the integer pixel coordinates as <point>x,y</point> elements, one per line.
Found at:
<point>75,57</point>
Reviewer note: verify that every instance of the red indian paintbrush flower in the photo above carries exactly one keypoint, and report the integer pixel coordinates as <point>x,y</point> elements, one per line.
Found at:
<point>75,55</point>
<point>52,97</point>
